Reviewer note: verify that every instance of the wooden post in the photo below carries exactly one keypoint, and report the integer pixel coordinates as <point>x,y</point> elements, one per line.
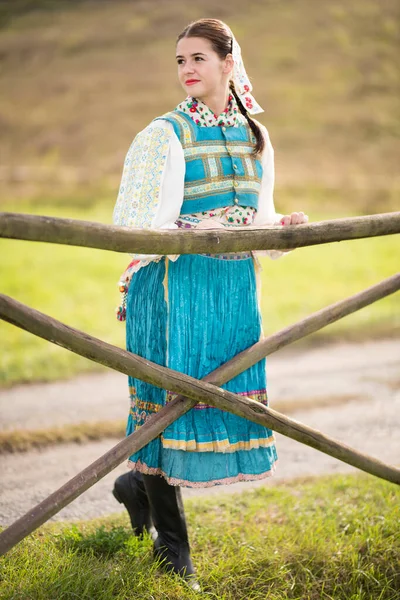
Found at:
<point>147,241</point>
<point>31,320</point>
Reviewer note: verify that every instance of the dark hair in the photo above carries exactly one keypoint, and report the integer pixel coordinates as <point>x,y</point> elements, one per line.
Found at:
<point>221,38</point>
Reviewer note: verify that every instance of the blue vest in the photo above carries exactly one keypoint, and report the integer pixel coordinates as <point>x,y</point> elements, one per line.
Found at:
<point>220,167</point>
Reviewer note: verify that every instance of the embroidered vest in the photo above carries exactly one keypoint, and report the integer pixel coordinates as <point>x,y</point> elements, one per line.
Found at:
<point>220,168</point>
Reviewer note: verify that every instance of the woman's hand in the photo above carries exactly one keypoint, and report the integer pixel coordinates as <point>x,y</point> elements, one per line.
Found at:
<point>209,224</point>
<point>296,218</point>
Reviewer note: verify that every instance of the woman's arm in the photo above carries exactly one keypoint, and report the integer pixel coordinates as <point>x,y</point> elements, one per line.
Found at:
<point>152,185</point>
<point>266,214</point>
<point>151,192</point>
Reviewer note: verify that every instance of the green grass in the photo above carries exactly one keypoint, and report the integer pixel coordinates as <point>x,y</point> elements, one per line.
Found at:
<point>333,538</point>
<point>79,287</point>
<point>79,79</point>
<point>24,440</point>
<point>311,278</point>
<point>76,285</point>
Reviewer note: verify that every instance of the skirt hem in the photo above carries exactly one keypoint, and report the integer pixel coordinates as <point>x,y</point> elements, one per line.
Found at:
<point>143,468</point>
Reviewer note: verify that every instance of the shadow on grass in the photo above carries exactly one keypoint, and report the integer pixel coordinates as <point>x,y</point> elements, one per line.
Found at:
<point>104,542</point>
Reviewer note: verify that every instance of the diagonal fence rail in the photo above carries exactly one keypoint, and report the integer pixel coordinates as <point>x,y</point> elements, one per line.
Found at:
<point>81,233</point>
<point>194,390</point>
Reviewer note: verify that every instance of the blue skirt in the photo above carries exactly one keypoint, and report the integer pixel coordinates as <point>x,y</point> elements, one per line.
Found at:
<point>193,315</point>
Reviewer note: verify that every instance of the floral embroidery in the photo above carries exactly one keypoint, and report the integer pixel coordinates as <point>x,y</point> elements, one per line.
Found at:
<point>136,204</point>
<point>142,410</point>
<point>231,216</point>
<point>204,117</point>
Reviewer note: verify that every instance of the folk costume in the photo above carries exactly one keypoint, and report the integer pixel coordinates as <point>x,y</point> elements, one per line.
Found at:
<point>192,313</point>
<point>193,169</point>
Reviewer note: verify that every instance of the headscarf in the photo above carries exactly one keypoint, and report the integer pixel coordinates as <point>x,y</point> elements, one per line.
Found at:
<point>242,83</point>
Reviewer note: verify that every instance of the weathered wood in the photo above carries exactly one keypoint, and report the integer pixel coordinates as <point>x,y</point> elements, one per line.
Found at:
<point>81,343</point>
<point>147,241</point>
<point>31,320</point>
<point>307,326</point>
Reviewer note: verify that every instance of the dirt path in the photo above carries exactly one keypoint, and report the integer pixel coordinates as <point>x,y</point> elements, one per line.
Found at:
<point>367,375</point>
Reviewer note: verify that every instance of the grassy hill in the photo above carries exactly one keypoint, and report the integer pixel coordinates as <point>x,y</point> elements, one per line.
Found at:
<point>80,78</point>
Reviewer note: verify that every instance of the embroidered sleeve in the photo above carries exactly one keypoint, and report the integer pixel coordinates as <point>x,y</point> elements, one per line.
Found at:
<point>139,193</point>
<point>151,191</point>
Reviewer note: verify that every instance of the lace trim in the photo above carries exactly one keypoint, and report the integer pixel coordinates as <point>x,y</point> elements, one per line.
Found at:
<point>143,468</point>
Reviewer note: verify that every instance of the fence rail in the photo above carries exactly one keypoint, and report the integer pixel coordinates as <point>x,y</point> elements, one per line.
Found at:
<point>194,390</point>
<point>147,241</point>
<point>81,233</point>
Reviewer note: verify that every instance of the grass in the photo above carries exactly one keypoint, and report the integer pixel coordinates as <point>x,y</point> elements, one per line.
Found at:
<point>79,287</point>
<point>331,538</point>
<point>23,440</point>
<point>80,78</point>
<point>312,278</point>
<point>75,285</point>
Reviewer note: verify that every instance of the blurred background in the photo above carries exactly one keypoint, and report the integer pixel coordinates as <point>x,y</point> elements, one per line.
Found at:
<point>79,79</point>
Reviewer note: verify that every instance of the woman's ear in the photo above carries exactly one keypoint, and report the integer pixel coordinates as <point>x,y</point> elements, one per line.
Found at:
<point>229,63</point>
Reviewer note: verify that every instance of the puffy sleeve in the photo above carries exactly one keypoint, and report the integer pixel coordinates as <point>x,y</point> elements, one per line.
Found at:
<point>152,185</point>
<point>266,214</point>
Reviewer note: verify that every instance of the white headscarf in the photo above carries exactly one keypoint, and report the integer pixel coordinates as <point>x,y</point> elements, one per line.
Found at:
<point>242,83</point>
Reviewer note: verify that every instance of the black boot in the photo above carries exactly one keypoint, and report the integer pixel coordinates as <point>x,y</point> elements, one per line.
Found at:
<point>172,543</point>
<point>130,491</point>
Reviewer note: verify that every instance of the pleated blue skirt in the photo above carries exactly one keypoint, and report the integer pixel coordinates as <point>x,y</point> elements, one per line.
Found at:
<point>193,315</point>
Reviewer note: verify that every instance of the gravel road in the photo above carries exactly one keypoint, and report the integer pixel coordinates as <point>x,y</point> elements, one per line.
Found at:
<point>362,382</point>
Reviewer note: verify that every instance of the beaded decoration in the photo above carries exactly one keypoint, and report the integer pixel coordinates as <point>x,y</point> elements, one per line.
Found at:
<point>121,309</point>
<point>123,286</point>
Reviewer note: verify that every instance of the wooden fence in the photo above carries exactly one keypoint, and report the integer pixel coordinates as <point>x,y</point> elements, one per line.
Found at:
<point>81,233</point>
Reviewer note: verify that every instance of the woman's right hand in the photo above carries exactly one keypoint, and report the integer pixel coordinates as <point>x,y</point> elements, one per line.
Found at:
<point>295,218</point>
<point>209,224</point>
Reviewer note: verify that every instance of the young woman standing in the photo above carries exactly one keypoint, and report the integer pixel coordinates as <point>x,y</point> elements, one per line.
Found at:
<point>206,164</point>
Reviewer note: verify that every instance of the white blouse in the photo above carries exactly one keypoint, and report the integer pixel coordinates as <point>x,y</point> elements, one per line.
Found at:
<point>152,186</point>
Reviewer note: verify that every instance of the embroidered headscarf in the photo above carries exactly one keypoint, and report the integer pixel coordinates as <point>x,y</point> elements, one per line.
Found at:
<point>242,83</point>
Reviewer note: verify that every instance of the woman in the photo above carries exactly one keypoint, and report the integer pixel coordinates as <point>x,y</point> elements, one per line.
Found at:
<point>205,164</point>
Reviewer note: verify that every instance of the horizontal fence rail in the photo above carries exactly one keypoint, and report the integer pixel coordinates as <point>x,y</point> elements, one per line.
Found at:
<point>148,241</point>
<point>194,390</point>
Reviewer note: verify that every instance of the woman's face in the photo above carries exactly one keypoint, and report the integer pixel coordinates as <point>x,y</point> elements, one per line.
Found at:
<point>201,72</point>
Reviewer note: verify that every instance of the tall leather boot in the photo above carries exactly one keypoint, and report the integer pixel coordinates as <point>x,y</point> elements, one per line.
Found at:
<point>129,490</point>
<point>172,543</point>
